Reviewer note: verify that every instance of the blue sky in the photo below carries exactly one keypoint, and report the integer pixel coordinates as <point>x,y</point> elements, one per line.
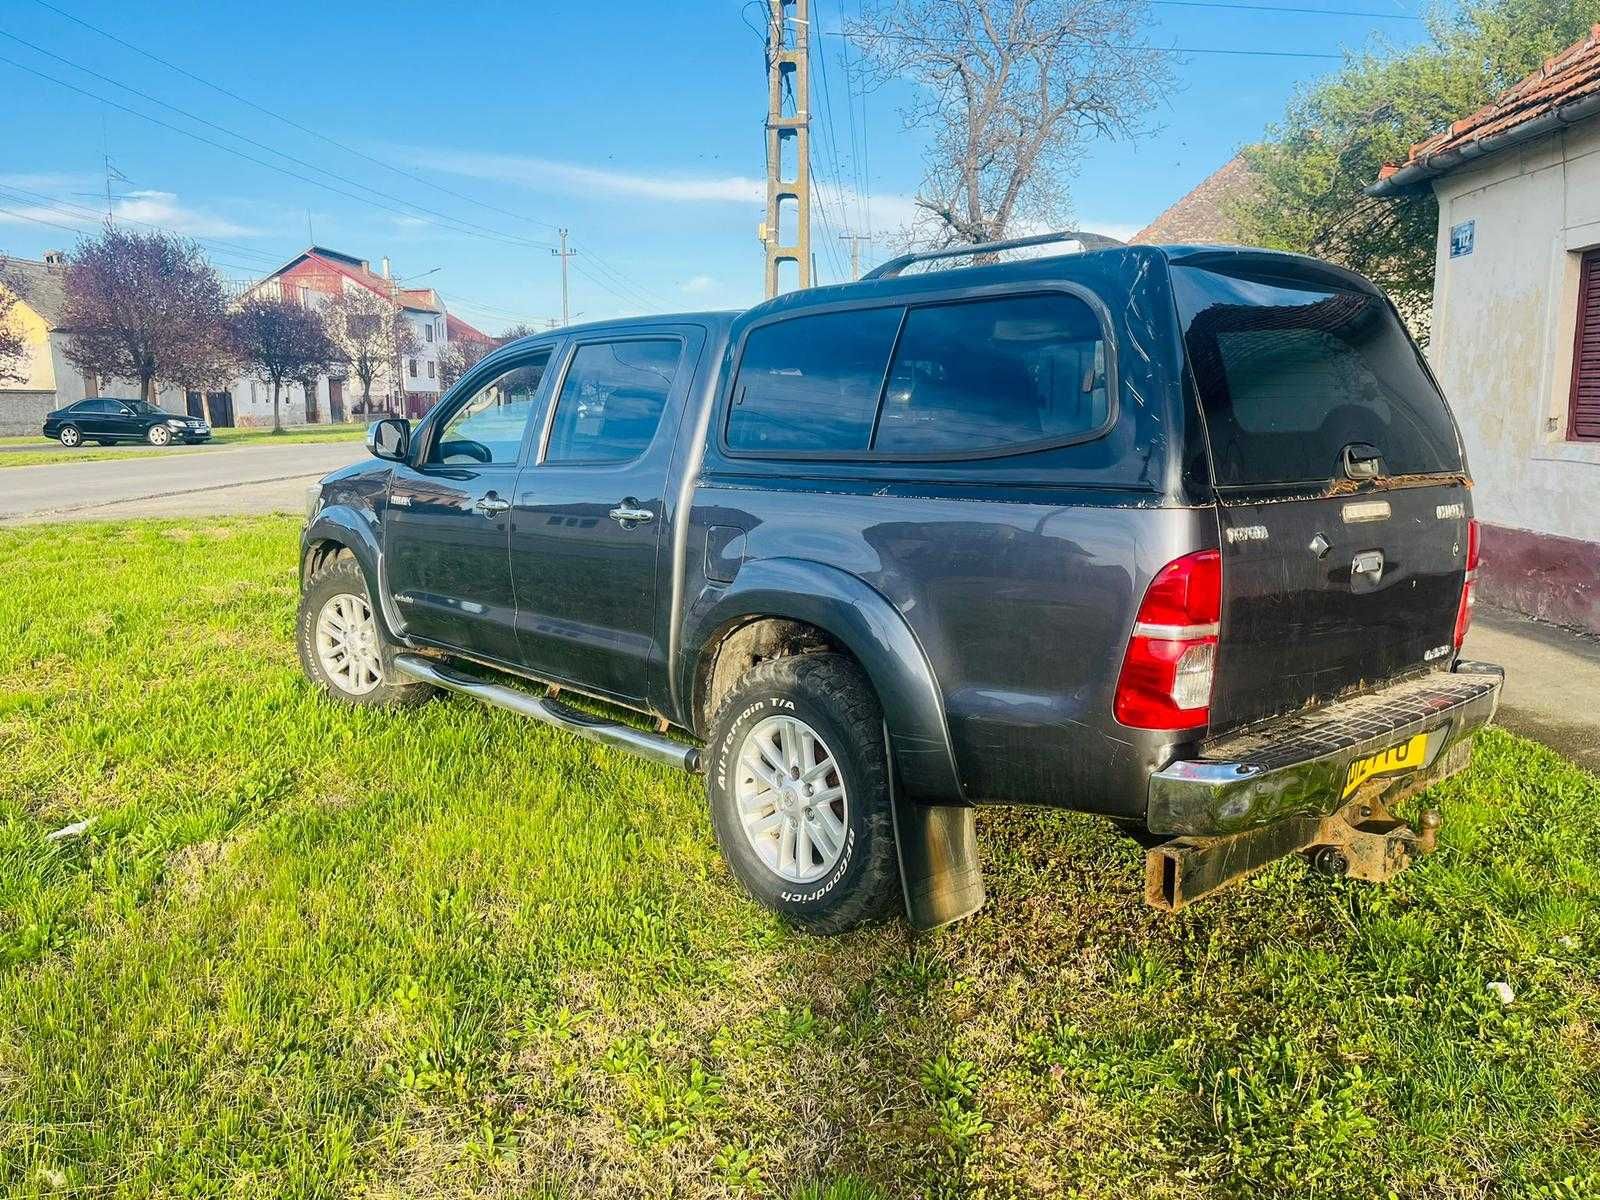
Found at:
<point>636,126</point>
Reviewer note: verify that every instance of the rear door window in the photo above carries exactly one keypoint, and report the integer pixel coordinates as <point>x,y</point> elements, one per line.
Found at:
<point>810,385</point>
<point>1290,371</point>
<point>612,400</point>
<point>988,374</point>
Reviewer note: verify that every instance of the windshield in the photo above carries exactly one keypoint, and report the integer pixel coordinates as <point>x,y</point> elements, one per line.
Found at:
<point>143,408</point>
<point>1292,370</point>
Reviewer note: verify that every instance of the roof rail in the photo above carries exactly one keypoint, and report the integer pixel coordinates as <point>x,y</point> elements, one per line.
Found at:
<point>1091,241</point>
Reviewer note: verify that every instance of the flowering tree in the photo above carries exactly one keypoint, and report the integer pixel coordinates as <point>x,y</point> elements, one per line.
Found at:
<point>370,334</point>
<point>281,340</point>
<point>145,305</point>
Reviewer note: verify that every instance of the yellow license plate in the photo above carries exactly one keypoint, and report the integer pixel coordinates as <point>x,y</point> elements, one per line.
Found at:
<point>1404,757</point>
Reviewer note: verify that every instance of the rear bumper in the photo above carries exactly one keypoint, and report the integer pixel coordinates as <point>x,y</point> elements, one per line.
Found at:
<point>1313,763</point>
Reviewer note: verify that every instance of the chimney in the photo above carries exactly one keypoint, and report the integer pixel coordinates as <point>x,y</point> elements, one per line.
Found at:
<point>366,266</point>
<point>55,260</point>
<point>386,266</point>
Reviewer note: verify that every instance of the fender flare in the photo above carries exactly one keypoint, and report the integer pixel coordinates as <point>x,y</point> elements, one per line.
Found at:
<point>356,532</point>
<point>863,621</point>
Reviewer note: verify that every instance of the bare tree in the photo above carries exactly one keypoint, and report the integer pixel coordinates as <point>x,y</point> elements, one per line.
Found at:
<point>459,357</point>
<point>370,334</point>
<point>281,340</point>
<point>513,332</point>
<point>142,306</point>
<point>13,349</point>
<point>1012,92</point>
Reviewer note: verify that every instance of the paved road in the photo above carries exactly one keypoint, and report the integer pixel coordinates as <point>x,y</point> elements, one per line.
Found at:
<point>1552,691</point>
<point>250,479</point>
<point>52,444</point>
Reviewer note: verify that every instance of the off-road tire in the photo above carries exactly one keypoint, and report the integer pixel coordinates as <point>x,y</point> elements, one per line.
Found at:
<point>343,576</point>
<point>829,693</point>
<point>70,436</point>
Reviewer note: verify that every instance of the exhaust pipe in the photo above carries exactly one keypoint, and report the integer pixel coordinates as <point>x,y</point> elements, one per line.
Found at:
<point>669,752</point>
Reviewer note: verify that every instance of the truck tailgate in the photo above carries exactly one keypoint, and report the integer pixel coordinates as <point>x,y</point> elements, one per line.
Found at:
<point>1329,595</point>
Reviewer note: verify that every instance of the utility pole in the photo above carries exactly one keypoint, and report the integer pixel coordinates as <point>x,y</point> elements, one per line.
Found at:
<point>855,240</point>
<point>788,53</point>
<point>563,254</point>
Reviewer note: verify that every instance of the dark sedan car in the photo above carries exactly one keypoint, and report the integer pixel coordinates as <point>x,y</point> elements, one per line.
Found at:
<point>105,420</point>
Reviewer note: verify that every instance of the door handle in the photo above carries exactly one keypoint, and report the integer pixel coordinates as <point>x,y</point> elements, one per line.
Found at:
<point>630,513</point>
<point>491,505</point>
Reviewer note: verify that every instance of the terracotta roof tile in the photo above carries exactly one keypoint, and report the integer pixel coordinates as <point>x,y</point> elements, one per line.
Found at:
<point>459,331</point>
<point>1570,75</point>
<point>1203,215</point>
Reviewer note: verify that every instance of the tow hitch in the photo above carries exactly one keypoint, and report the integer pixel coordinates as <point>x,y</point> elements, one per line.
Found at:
<point>1363,840</point>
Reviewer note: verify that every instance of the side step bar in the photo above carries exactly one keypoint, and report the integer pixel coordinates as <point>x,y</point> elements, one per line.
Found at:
<point>654,746</point>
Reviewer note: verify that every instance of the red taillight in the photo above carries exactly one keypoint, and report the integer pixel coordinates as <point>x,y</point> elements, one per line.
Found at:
<point>1172,655</point>
<point>1469,585</point>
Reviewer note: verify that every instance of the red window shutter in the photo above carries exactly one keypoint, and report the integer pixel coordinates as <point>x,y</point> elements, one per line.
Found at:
<point>1584,421</point>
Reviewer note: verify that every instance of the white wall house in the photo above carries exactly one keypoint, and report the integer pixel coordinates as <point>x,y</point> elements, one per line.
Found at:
<point>1516,327</point>
<point>314,277</point>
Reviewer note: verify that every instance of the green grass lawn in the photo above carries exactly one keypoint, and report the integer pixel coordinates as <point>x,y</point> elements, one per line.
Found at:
<point>53,452</point>
<point>309,952</point>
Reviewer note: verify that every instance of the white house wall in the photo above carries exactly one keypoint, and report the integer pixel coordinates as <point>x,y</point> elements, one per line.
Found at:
<point>1503,326</point>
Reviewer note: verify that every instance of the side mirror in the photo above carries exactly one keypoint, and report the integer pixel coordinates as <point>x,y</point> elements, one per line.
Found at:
<point>389,438</point>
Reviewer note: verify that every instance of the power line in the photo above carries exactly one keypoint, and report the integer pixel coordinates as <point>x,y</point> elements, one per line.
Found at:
<point>457,223</point>
<point>243,259</point>
<point>25,194</point>
<point>216,87</point>
<point>651,299</point>
<point>828,125</point>
<point>334,142</point>
<point>857,150</point>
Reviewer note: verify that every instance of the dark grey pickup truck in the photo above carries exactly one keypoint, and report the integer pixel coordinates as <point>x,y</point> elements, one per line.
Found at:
<point>1177,535</point>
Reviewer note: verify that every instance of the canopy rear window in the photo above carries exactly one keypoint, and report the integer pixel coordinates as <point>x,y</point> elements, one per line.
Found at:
<point>1292,370</point>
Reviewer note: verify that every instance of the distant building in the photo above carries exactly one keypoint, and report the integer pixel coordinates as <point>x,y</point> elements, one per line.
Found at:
<point>1516,326</point>
<point>315,276</point>
<point>458,330</point>
<point>50,381</point>
<point>1207,214</point>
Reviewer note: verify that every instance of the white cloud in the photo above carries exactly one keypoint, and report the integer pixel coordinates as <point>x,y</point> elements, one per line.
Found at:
<point>574,177</point>
<point>163,208</point>
<point>147,207</point>
<point>697,283</point>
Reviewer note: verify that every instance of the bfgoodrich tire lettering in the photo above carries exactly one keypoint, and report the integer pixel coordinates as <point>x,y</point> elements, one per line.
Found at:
<point>343,577</point>
<point>857,877</point>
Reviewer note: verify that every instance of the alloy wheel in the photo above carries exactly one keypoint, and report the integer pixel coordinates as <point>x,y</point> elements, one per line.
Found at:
<point>347,644</point>
<point>791,798</point>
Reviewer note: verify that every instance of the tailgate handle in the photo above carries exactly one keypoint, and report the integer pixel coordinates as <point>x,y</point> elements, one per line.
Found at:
<point>1361,460</point>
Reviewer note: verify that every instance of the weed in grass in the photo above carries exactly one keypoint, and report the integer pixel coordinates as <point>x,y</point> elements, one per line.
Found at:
<point>303,951</point>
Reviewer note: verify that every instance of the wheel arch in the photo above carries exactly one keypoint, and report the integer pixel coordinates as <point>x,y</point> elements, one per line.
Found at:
<point>784,606</point>
<point>339,529</point>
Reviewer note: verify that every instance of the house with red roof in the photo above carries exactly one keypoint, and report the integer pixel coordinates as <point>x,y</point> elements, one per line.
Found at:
<point>315,276</point>
<point>1516,325</point>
